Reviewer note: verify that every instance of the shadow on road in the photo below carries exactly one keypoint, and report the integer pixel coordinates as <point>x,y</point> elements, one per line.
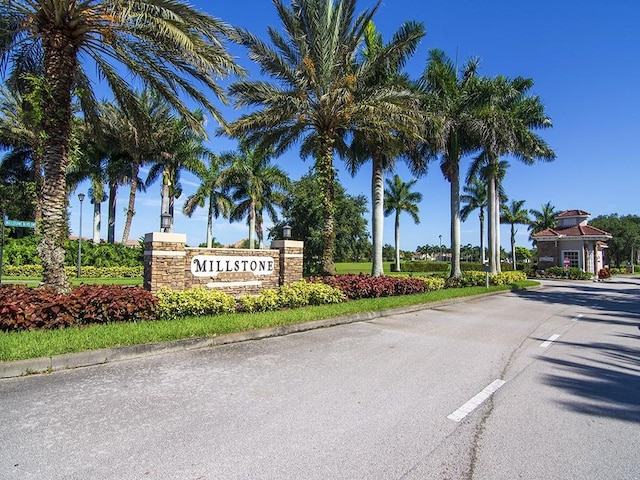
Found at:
<point>605,381</point>
<point>604,378</point>
<point>613,298</point>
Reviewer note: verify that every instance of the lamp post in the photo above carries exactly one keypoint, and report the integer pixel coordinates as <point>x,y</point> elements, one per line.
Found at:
<point>81,198</point>
<point>440,237</point>
<point>286,232</point>
<point>165,222</point>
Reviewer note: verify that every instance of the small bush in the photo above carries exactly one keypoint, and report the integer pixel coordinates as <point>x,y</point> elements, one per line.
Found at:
<point>193,302</point>
<point>479,279</point>
<point>297,294</point>
<point>266,301</point>
<point>572,274</point>
<point>366,286</point>
<point>507,278</point>
<point>26,308</point>
<point>433,283</point>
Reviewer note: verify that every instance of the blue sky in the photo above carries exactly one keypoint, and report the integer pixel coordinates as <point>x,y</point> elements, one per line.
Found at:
<point>582,56</point>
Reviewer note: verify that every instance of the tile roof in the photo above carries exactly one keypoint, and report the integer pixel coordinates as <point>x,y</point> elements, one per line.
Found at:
<point>573,213</point>
<point>573,231</point>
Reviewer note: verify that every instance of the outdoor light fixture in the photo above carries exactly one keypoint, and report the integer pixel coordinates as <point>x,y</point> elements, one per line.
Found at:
<point>165,222</point>
<point>286,232</point>
<point>81,198</point>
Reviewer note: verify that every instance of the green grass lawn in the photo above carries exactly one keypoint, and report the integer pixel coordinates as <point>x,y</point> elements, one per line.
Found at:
<point>359,267</point>
<point>46,343</point>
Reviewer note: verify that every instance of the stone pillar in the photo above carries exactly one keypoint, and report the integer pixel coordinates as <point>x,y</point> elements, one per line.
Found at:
<point>548,254</point>
<point>290,260</point>
<point>164,261</point>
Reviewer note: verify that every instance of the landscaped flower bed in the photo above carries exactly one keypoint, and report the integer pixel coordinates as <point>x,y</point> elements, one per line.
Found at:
<point>23,308</point>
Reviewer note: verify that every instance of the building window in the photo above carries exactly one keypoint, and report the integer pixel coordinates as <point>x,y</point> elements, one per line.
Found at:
<point>572,255</point>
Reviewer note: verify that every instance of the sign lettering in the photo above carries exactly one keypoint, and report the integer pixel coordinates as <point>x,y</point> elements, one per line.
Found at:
<point>212,265</point>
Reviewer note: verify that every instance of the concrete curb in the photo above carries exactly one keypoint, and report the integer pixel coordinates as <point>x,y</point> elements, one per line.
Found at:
<point>117,354</point>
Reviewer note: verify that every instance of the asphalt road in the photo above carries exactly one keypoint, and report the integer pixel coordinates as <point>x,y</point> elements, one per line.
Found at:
<point>553,374</point>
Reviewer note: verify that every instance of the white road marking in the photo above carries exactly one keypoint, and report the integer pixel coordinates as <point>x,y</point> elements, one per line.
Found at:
<point>476,401</point>
<point>577,317</point>
<point>548,343</point>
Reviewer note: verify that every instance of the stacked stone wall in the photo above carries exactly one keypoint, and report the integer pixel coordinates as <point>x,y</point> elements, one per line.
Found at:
<point>547,251</point>
<point>170,264</point>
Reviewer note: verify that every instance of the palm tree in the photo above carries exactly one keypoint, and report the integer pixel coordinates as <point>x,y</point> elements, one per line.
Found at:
<point>399,198</point>
<point>181,148</point>
<point>91,164</point>
<point>543,219</point>
<point>117,172</point>
<point>480,171</point>
<point>211,191</point>
<point>475,198</point>
<point>506,123</point>
<point>514,214</point>
<point>163,44</point>
<point>321,90</point>
<point>140,133</point>
<point>383,150</point>
<point>257,186</point>
<point>448,100</point>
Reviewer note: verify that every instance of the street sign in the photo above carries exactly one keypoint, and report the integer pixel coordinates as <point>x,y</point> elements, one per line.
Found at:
<point>19,223</point>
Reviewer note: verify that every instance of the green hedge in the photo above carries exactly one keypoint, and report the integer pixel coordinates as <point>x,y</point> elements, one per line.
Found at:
<point>422,266</point>
<point>427,266</point>
<point>23,251</point>
<point>478,279</point>
<point>572,274</point>
<point>35,271</point>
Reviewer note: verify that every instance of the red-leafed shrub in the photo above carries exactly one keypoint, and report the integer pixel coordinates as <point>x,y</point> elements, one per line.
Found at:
<point>366,286</point>
<point>23,308</point>
<point>102,304</point>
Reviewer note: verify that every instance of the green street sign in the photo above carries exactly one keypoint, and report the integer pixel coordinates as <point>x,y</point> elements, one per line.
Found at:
<point>19,223</point>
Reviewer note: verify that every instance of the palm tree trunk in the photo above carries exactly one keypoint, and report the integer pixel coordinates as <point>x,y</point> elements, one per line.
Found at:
<point>496,207</point>
<point>172,202</point>
<point>455,221</point>
<point>252,226</point>
<point>377,215</point>
<point>326,175</point>
<point>135,170</point>
<point>482,252</point>
<point>491,200</point>
<point>513,245</point>
<point>210,222</point>
<point>59,68</point>
<point>397,238</point>
<point>111,220</point>
<point>96,220</point>
<point>260,230</point>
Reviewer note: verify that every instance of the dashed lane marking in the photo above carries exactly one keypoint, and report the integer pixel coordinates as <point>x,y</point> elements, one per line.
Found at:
<point>549,342</point>
<point>476,401</point>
